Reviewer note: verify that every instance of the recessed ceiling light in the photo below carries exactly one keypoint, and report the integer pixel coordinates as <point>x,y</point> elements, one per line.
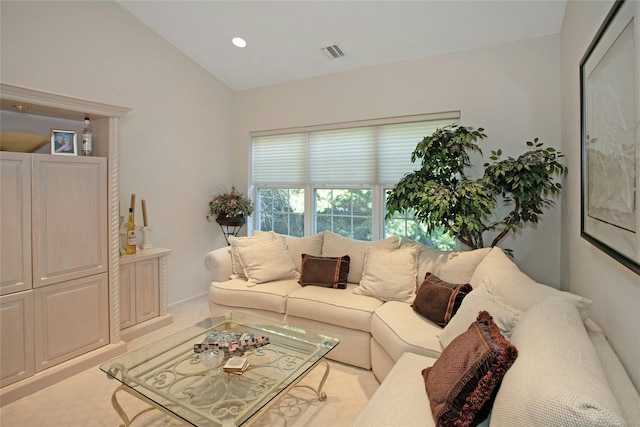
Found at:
<point>239,42</point>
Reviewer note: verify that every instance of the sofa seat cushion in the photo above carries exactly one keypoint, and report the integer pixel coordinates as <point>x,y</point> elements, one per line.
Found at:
<point>400,400</point>
<point>340,307</point>
<point>270,296</point>
<point>557,379</point>
<point>398,329</point>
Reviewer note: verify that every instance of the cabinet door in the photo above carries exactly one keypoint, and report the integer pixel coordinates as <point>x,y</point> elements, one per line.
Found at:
<point>69,218</point>
<point>15,222</point>
<point>127,295</point>
<point>16,337</point>
<point>71,318</point>
<point>147,294</point>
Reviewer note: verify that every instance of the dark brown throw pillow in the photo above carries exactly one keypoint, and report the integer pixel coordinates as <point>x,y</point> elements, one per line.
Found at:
<point>438,300</point>
<point>330,272</point>
<point>463,382</point>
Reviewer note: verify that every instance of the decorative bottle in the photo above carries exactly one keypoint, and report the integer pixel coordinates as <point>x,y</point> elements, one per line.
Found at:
<point>131,234</point>
<point>87,139</point>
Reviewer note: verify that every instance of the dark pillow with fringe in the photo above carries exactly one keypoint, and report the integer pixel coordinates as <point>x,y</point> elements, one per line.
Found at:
<point>463,382</point>
<point>438,300</point>
<point>329,272</point>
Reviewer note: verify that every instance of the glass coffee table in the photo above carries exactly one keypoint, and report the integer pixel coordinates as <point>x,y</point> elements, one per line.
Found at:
<point>168,375</point>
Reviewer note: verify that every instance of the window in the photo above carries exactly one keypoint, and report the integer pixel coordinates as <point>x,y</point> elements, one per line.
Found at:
<point>281,210</point>
<point>347,212</point>
<point>308,180</point>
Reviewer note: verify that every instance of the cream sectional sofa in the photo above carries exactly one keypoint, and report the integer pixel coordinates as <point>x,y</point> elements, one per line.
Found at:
<point>381,332</point>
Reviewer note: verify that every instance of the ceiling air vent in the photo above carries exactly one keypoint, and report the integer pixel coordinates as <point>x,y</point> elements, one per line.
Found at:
<point>334,51</point>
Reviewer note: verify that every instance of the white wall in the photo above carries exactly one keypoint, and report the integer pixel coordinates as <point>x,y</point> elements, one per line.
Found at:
<point>614,289</point>
<point>512,90</point>
<point>174,150</point>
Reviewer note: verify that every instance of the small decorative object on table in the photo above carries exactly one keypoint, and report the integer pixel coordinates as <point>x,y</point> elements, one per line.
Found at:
<point>230,342</point>
<point>211,359</point>
<point>230,210</point>
<point>146,230</point>
<point>236,365</point>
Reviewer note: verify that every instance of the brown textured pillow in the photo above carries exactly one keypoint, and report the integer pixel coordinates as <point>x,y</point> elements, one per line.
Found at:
<point>330,272</point>
<point>438,300</point>
<point>462,383</point>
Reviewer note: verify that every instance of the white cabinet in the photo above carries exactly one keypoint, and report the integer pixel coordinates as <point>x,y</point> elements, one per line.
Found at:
<point>59,236</point>
<point>71,318</point>
<point>15,222</point>
<point>143,292</point>
<point>54,241</point>
<point>69,217</point>
<point>16,337</point>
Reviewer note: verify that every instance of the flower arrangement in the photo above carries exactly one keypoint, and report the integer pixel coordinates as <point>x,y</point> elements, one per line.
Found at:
<point>230,204</point>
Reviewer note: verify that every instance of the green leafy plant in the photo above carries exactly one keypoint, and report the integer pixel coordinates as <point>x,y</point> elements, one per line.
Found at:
<point>442,195</point>
<point>229,205</point>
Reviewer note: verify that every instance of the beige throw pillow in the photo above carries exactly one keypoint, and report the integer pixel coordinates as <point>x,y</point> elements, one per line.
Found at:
<point>389,275</point>
<point>451,266</point>
<point>243,242</point>
<point>311,245</point>
<point>335,245</point>
<point>267,261</point>
<point>480,299</point>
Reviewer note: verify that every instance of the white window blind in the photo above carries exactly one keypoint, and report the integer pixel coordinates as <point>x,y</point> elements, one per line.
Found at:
<point>280,159</point>
<point>397,142</point>
<point>343,156</point>
<point>358,155</point>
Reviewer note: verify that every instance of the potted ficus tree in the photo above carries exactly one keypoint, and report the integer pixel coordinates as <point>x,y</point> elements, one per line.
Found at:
<point>230,208</point>
<point>442,196</point>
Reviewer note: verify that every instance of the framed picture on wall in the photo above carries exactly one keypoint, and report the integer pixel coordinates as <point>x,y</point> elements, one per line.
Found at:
<point>610,163</point>
<point>64,142</point>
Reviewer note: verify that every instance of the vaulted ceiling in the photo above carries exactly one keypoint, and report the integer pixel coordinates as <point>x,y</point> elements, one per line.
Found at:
<point>285,39</point>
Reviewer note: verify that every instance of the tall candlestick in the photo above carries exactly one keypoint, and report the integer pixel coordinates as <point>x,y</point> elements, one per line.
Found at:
<point>133,202</point>
<point>144,213</point>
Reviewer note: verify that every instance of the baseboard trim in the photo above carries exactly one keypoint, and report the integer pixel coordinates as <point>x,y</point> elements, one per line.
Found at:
<point>146,327</point>
<point>57,373</point>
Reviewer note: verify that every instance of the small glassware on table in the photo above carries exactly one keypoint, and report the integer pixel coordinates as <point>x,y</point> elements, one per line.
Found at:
<point>211,359</point>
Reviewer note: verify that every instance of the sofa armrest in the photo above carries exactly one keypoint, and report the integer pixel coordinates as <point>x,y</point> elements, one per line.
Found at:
<point>218,262</point>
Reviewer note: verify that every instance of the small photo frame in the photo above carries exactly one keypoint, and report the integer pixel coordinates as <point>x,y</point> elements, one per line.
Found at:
<point>64,142</point>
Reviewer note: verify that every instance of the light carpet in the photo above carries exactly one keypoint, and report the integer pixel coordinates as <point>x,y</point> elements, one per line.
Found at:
<point>85,399</point>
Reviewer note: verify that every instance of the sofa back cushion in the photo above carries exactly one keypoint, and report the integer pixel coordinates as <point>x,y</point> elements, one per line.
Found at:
<point>503,278</point>
<point>335,245</point>
<point>451,266</point>
<point>297,246</point>
<point>558,379</point>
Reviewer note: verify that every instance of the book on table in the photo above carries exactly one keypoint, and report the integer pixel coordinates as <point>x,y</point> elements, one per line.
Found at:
<point>236,365</point>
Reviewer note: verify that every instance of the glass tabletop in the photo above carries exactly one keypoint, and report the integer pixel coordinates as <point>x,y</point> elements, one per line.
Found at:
<point>168,372</point>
